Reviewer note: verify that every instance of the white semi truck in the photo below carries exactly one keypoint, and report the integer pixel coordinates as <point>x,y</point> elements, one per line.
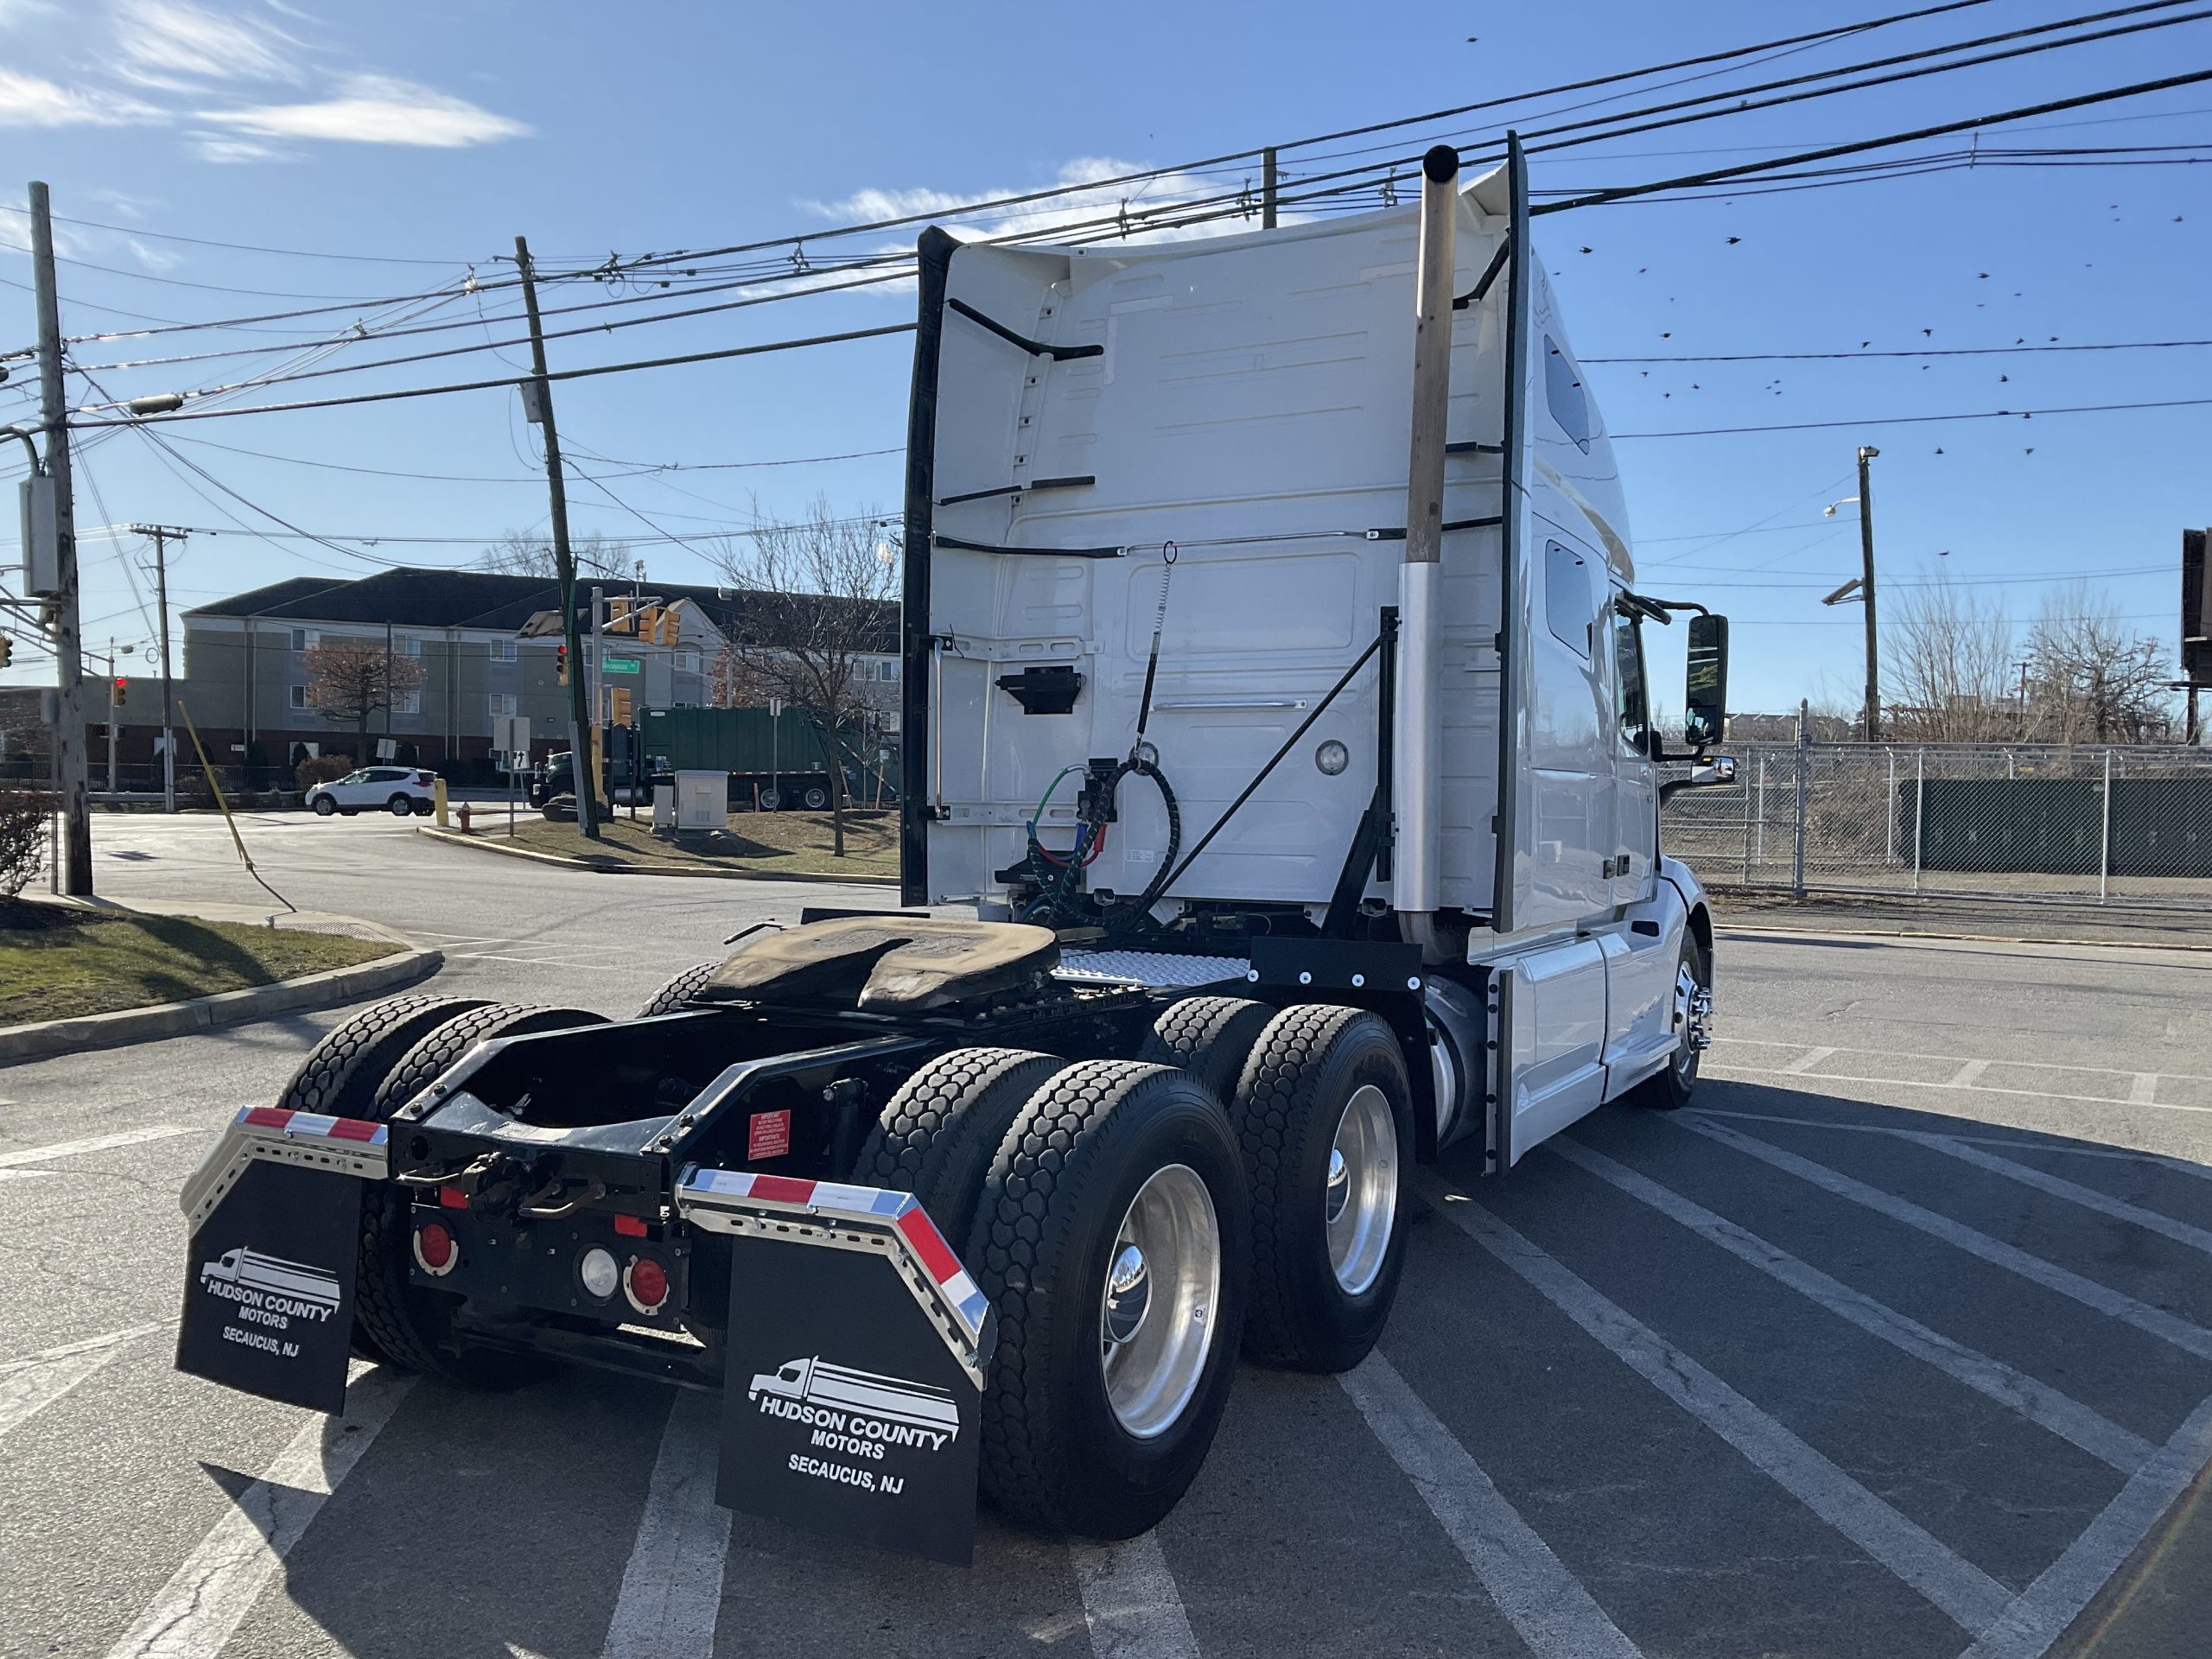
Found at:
<point>1276,716</point>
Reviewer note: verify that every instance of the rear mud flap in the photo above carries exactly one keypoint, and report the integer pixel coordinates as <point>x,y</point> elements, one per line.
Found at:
<point>853,1394</point>
<point>275,1211</point>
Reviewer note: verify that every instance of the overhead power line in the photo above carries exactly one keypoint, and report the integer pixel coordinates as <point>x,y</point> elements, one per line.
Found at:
<point>1948,351</point>
<point>1919,420</point>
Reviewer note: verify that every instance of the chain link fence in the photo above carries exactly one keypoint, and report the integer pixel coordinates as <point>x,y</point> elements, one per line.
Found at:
<point>2102,824</point>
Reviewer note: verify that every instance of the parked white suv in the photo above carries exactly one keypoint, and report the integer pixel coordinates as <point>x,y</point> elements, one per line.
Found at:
<point>399,791</point>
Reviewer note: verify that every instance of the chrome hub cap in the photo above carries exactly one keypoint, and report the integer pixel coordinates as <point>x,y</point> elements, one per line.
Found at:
<point>1361,1206</point>
<point>1156,1312</point>
<point>1693,1018</point>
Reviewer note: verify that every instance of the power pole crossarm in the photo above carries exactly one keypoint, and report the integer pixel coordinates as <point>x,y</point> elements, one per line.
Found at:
<point>564,562</point>
<point>68,648</point>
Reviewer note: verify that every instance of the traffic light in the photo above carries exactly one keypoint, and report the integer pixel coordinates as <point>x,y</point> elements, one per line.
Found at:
<point>560,665</point>
<point>618,705</point>
<point>618,618</point>
<point>6,650</point>
<point>119,693</point>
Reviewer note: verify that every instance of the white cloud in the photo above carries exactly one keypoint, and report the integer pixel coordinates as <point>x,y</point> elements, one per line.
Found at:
<point>376,109</point>
<point>28,101</point>
<point>213,146</point>
<point>1084,202</point>
<point>174,45</point>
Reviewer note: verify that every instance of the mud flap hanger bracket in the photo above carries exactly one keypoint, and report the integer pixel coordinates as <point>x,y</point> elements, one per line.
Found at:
<point>343,1146</point>
<point>869,1220</point>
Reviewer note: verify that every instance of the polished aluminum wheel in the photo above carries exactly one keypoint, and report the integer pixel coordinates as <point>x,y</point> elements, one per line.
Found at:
<point>1693,1018</point>
<point>1361,1204</point>
<point>1157,1313</point>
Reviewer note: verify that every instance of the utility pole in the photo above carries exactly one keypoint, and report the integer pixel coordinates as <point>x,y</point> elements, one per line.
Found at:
<point>162,534</point>
<point>1874,731</point>
<point>564,561</point>
<point>68,648</point>
<point>1267,189</point>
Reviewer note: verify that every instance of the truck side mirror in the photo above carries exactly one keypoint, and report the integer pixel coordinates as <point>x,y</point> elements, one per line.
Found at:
<point>1705,696</point>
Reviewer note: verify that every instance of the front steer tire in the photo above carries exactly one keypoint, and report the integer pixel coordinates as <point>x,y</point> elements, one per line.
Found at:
<point>1300,1086</point>
<point>1054,1451</point>
<point>1669,1089</point>
<point>409,1325</point>
<point>937,1136</point>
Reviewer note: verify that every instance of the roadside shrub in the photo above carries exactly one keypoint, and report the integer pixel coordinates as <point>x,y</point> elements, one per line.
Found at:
<point>322,769</point>
<point>25,816</point>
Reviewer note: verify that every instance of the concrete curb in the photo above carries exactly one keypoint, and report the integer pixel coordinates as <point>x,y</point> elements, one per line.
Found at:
<point>224,1008</point>
<point>489,844</point>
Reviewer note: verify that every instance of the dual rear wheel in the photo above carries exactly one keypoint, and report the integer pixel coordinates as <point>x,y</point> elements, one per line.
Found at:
<point>1136,1222</point>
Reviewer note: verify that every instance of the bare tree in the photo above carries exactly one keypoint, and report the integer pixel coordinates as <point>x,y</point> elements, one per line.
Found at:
<point>816,614</point>
<point>518,553</point>
<point>2090,680</point>
<point>1948,661</point>
<point>349,680</point>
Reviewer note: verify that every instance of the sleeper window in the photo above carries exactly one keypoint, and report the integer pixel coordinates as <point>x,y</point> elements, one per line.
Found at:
<point>1568,605</point>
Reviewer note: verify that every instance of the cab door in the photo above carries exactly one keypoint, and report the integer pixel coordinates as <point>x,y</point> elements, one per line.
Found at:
<point>1634,864</point>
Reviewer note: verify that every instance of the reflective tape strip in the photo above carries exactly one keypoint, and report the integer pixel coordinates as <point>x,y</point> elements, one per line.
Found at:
<point>318,1124</point>
<point>928,1244</point>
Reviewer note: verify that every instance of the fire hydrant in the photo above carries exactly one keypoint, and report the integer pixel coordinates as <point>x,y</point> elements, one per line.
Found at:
<point>464,818</point>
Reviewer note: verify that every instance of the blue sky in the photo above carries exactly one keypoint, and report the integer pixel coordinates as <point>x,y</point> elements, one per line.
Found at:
<point>434,133</point>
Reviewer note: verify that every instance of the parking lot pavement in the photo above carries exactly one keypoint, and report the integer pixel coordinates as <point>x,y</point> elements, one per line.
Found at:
<point>1899,1343</point>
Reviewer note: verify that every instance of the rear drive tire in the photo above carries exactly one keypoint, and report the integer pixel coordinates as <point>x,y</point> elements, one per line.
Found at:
<point>1112,1167</point>
<point>403,1324</point>
<point>1209,1037</point>
<point>342,1073</point>
<point>772,800</point>
<point>817,798</point>
<point>1669,1089</point>
<point>679,991</point>
<point>937,1135</point>
<point>1324,1115</point>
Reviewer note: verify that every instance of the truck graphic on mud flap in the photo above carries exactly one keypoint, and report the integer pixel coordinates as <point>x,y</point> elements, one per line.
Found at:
<point>839,1389</point>
<point>248,1269</point>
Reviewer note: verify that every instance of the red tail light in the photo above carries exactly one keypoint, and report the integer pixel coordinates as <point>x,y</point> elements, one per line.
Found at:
<point>434,1249</point>
<point>645,1282</point>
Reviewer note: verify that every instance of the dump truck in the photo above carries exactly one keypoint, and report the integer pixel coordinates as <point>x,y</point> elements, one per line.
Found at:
<point>1280,809</point>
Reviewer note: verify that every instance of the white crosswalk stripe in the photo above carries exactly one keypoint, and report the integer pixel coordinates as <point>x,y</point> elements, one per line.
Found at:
<point>2193,1339</point>
<point>1130,1601</point>
<point>1544,1603</point>
<point>195,1613</point>
<point>672,1588</point>
<point>2014,1390</point>
<point>1962,1590</point>
<point>2088,1197</point>
<point>29,1386</point>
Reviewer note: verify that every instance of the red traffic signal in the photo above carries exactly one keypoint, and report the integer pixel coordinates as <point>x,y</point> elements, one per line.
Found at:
<point>119,692</point>
<point>561,665</point>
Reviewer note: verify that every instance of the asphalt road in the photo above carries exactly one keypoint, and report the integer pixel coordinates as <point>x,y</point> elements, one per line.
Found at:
<point>1899,1344</point>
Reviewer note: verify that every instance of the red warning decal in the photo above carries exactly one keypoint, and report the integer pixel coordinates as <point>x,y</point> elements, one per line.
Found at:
<point>767,1134</point>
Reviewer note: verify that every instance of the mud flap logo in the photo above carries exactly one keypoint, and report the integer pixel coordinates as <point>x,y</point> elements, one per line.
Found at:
<point>268,1304</point>
<point>870,1432</point>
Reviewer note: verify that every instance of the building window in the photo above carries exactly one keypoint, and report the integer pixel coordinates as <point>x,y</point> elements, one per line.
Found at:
<point>305,638</point>
<point>503,704</point>
<point>407,702</point>
<point>687,662</point>
<point>408,645</point>
<point>503,650</point>
<point>299,696</point>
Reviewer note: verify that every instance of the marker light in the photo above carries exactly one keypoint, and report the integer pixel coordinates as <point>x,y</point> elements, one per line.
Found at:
<point>601,1273</point>
<point>645,1282</point>
<point>1332,758</point>
<point>434,1250</point>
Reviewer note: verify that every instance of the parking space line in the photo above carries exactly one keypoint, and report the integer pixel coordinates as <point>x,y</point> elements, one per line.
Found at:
<point>1543,1602</point>
<point>2059,1187</point>
<point>29,1386</point>
<point>1969,1596</point>
<point>1911,1054</point>
<point>2143,1089</point>
<point>1967,1075</point>
<point>2115,1304</point>
<point>1970,1088</point>
<point>2038,1403</point>
<point>92,1143</point>
<point>2041,1613</point>
<point>672,1588</point>
<point>2129,1154</point>
<point>532,962</point>
<point>1130,1601</point>
<point>207,1598</point>
<point>1810,1058</point>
